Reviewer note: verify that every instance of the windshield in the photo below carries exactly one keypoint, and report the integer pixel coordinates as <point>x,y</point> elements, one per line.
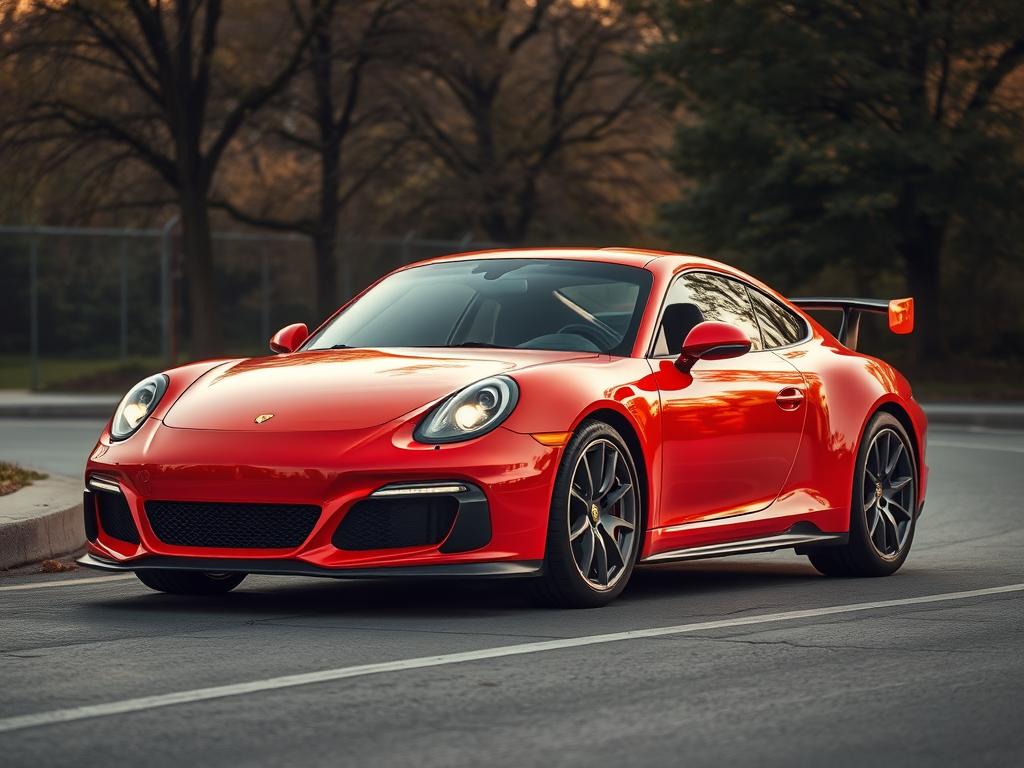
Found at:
<point>559,304</point>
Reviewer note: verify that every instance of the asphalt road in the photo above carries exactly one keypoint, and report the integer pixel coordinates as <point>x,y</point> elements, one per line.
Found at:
<point>765,663</point>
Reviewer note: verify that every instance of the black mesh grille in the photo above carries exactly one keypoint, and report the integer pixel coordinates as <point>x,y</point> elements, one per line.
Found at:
<point>89,515</point>
<point>391,523</point>
<point>235,526</point>
<point>115,517</point>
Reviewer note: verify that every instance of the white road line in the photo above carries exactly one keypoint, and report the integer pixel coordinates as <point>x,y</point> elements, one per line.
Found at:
<point>291,681</point>
<point>67,582</point>
<point>975,446</point>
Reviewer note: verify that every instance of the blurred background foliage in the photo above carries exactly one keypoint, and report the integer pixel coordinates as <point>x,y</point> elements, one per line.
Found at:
<point>864,147</point>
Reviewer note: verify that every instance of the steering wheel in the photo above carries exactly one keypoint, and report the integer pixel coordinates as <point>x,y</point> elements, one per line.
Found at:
<point>604,339</point>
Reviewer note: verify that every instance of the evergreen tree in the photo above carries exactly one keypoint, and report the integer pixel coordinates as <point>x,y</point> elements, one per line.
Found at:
<point>869,131</point>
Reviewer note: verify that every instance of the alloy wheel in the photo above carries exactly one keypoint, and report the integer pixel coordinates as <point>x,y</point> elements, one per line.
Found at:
<point>888,493</point>
<point>602,513</point>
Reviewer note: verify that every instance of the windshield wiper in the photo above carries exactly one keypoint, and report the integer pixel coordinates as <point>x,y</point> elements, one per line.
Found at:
<point>478,344</point>
<point>341,346</point>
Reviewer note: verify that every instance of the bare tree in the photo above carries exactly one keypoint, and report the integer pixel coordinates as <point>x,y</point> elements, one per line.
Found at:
<point>149,82</point>
<point>504,92</point>
<point>336,132</point>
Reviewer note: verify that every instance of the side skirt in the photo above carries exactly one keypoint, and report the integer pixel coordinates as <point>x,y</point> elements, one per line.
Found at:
<point>798,540</point>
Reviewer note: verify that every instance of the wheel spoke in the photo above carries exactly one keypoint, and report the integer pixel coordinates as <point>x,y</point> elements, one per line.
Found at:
<point>615,496</point>
<point>874,524</point>
<point>904,512</point>
<point>891,527</point>
<point>601,559</point>
<point>882,540</point>
<point>877,459</point>
<point>579,528</point>
<point>613,548</point>
<point>900,483</point>
<point>612,523</point>
<point>870,501</point>
<point>894,459</point>
<point>611,463</point>
<point>590,476</point>
<point>586,558</point>
<point>573,493</point>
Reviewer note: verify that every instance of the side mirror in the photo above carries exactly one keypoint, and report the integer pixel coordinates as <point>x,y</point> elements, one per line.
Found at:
<point>289,338</point>
<point>712,340</point>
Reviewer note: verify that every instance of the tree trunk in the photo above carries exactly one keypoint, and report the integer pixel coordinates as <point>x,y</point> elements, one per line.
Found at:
<point>325,244</point>
<point>922,255</point>
<point>206,332</point>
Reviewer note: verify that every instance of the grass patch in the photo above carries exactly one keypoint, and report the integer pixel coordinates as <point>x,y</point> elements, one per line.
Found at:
<point>13,477</point>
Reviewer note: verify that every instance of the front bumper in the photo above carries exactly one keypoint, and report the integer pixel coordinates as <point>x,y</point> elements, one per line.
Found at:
<point>334,471</point>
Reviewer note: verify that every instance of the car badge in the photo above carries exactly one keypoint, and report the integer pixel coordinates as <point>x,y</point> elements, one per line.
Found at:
<point>263,417</point>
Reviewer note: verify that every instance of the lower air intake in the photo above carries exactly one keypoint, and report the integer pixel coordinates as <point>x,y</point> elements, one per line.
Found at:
<point>391,523</point>
<point>115,518</point>
<point>231,526</point>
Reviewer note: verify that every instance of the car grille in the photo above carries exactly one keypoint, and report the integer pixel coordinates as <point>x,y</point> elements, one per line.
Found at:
<point>393,523</point>
<point>115,517</point>
<point>231,526</point>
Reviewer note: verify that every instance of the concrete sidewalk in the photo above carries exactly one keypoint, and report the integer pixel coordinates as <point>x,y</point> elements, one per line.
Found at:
<point>21,404</point>
<point>41,521</point>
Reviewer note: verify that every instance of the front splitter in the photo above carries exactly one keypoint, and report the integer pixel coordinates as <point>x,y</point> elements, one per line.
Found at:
<point>515,569</point>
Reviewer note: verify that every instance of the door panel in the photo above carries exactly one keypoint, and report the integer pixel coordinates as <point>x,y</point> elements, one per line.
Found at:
<point>729,439</point>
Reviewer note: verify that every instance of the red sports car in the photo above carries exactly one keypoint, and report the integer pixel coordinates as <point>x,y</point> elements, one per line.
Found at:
<point>564,415</point>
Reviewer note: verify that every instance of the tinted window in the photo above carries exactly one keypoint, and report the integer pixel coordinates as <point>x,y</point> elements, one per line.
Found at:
<point>527,303</point>
<point>779,326</point>
<point>714,298</point>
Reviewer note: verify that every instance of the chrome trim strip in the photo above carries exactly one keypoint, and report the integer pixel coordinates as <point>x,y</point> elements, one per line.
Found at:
<point>765,544</point>
<point>419,490</point>
<point>102,484</point>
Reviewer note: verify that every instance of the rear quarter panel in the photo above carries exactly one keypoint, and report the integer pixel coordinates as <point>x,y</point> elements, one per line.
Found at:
<point>844,391</point>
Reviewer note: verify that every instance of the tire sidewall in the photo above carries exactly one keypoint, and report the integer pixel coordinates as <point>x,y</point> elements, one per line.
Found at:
<point>559,564</point>
<point>870,559</point>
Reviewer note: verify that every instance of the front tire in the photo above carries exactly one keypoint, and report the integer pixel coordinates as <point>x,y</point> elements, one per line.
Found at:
<point>190,582</point>
<point>883,507</point>
<point>595,524</point>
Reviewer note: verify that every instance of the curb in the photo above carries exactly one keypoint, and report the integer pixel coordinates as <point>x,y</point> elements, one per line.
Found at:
<point>65,408</point>
<point>84,411</point>
<point>41,521</point>
<point>987,415</point>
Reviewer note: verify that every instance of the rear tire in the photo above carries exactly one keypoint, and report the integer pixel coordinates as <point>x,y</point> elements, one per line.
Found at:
<point>190,582</point>
<point>883,505</point>
<point>595,522</point>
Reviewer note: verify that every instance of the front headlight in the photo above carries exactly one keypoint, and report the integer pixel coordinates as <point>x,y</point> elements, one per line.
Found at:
<point>137,405</point>
<point>474,411</point>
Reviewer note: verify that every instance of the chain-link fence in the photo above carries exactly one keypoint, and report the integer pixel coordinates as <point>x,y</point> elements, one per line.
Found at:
<point>88,309</point>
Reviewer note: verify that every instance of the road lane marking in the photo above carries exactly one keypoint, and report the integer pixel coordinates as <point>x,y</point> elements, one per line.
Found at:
<point>72,714</point>
<point>975,446</point>
<point>68,582</point>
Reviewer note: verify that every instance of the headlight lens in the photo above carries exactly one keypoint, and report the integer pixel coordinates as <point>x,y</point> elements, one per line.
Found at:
<point>137,405</point>
<point>474,411</point>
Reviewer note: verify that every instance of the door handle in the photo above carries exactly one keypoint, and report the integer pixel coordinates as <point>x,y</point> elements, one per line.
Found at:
<point>789,399</point>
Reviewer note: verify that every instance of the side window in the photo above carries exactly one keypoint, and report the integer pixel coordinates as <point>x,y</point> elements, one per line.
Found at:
<point>779,326</point>
<point>724,300</point>
<point>698,296</point>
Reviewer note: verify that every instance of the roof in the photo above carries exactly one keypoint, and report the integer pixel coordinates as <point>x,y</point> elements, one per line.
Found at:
<point>633,257</point>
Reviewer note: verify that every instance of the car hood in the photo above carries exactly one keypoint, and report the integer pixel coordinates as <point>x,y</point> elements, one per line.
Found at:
<point>338,389</point>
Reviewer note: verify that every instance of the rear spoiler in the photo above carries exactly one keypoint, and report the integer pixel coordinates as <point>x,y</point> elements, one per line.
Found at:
<point>900,311</point>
